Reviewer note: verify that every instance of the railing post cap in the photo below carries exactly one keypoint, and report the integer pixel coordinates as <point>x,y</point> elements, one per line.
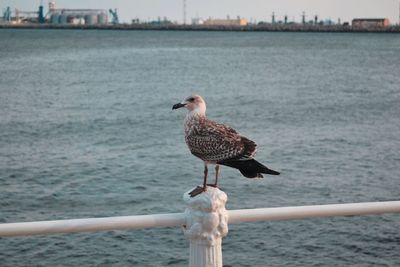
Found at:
<point>206,216</point>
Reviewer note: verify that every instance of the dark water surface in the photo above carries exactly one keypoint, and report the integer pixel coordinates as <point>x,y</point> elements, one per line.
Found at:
<point>87,130</point>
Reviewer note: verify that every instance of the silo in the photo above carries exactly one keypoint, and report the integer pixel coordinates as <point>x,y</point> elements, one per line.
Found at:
<point>91,19</point>
<point>102,18</point>
<point>54,18</point>
<point>63,19</point>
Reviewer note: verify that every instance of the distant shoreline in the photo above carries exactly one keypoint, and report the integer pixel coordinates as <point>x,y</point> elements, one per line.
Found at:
<point>249,28</point>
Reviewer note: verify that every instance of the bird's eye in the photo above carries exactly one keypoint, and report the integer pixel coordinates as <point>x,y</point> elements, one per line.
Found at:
<point>191,99</point>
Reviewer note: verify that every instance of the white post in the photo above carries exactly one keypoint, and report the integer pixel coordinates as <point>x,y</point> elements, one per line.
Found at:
<point>206,224</point>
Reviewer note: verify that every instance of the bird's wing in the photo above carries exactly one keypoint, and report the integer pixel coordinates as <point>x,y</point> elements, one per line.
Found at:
<point>216,142</point>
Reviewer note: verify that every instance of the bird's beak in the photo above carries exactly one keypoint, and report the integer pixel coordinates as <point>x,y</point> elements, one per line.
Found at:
<point>178,105</point>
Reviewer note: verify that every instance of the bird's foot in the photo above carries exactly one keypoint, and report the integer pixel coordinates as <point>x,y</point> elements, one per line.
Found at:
<point>213,185</point>
<point>198,190</point>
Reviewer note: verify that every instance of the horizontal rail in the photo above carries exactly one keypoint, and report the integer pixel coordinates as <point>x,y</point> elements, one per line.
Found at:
<point>91,224</point>
<point>302,212</point>
<point>179,219</point>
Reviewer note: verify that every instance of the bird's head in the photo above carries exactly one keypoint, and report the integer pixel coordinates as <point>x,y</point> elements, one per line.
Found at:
<point>193,103</point>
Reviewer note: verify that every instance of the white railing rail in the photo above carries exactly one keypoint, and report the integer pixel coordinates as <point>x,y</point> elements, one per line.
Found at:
<point>91,224</point>
<point>304,212</point>
<point>204,222</point>
<point>178,219</point>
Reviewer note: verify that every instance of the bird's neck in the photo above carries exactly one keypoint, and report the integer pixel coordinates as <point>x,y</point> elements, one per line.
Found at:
<point>194,115</point>
<point>199,111</point>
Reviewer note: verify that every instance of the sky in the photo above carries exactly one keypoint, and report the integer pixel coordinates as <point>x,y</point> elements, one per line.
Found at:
<point>252,10</point>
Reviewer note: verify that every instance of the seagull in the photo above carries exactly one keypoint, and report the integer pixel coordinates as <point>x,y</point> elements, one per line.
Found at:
<point>218,144</point>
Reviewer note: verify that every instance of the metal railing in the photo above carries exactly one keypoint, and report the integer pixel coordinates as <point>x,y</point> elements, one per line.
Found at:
<point>178,219</point>
<point>204,222</point>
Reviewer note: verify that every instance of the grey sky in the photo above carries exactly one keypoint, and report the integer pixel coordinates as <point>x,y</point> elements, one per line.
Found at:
<point>249,9</point>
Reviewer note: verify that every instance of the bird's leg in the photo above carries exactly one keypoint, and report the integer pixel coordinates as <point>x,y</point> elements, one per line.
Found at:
<point>205,177</point>
<point>199,189</point>
<point>216,176</point>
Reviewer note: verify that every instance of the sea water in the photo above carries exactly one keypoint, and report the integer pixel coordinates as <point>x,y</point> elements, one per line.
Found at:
<point>87,130</point>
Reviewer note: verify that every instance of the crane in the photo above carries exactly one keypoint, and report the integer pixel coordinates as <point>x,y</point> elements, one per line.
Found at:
<point>7,14</point>
<point>114,15</point>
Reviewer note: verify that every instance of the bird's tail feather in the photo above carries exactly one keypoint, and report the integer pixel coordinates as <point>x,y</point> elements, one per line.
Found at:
<point>250,168</point>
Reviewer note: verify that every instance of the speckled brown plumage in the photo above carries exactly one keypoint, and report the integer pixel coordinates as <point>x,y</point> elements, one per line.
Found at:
<point>214,142</point>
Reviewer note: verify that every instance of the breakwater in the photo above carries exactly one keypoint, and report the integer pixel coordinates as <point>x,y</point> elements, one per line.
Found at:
<point>174,27</point>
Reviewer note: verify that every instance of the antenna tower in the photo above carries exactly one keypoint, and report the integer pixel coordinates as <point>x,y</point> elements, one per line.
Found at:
<point>184,12</point>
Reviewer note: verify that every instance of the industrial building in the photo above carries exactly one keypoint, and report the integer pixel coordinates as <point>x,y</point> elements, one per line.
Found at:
<point>77,16</point>
<point>61,16</point>
<point>226,22</point>
<point>18,16</point>
<point>370,23</point>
